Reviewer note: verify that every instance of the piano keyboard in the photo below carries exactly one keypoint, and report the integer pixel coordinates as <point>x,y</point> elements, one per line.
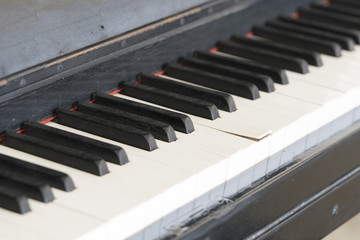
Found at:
<point>169,146</point>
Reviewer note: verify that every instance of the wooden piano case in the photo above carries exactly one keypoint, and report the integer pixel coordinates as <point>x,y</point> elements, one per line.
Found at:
<point>305,201</point>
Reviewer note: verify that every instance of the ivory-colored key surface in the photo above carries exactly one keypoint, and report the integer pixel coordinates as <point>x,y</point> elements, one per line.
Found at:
<point>195,170</point>
<point>236,126</point>
<point>324,81</point>
<point>10,230</point>
<point>48,222</point>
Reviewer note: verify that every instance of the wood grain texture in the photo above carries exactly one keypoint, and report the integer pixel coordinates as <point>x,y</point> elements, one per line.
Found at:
<point>35,31</point>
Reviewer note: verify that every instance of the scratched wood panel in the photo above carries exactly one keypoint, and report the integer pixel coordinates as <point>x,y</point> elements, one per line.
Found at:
<point>33,31</point>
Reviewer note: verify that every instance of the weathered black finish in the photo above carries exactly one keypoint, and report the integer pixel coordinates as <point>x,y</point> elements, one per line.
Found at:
<point>311,57</point>
<point>299,40</point>
<point>276,74</point>
<point>57,153</point>
<point>13,200</point>
<point>110,153</point>
<point>160,130</point>
<point>31,186</point>
<point>265,56</point>
<point>54,178</point>
<point>347,3</point>
<point>175,101</point>
<point>221,100</point>
<point>178,121</point>
<point>338,9</point>
<point>108,129</point>
<point>355,35</point>
<point>331,18</point>
<point>345,42</point>
<point>34,32</point>
<point>302,197</point>
<point>234,86</point>
<point>263,82</point>
<point>67,80</point>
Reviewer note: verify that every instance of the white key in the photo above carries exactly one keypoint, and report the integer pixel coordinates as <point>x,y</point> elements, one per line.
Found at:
<point>47,221</point>
<point>323,81</point>
<point>240,127</point>
<point>11,230</point>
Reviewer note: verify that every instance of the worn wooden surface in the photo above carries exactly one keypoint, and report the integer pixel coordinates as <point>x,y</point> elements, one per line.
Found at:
<point>34,31</point>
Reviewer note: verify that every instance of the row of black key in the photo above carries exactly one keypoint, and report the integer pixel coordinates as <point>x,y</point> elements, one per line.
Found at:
<point>291,44</point>
<point>111,117</point>
<point>20,179</point>
<point>81,152</point>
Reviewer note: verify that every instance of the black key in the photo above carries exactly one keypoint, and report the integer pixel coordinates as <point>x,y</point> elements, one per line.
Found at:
<point>264,83</point>
<point>338,9</point>
<point>312,58</point>
<point>355,35</point>
<point>159,130</point>
<point>13,200</point>
<point>276,74</point>
<point>330,18</point>
<point>268,57</point>
<point>299,40</point>
<point>171,100</point>
<point>345,42</point>
<point>178,121</point>
<point>215,81</point>
<point>32,187</point>
<point>347,3</point>
<point>110,153</point>
<point>107,129</point>
<point>57,153</point>
<point>221,100</point>
<point>54,178</point>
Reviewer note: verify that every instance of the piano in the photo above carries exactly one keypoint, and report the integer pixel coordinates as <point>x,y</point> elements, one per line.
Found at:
<point>222,119</point>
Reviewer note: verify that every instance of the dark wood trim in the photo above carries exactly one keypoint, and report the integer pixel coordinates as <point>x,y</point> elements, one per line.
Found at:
<point>306,201</point>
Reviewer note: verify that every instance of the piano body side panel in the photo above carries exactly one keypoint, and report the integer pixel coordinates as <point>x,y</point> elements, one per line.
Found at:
<point>35,93</point>
<point>306,201</point>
